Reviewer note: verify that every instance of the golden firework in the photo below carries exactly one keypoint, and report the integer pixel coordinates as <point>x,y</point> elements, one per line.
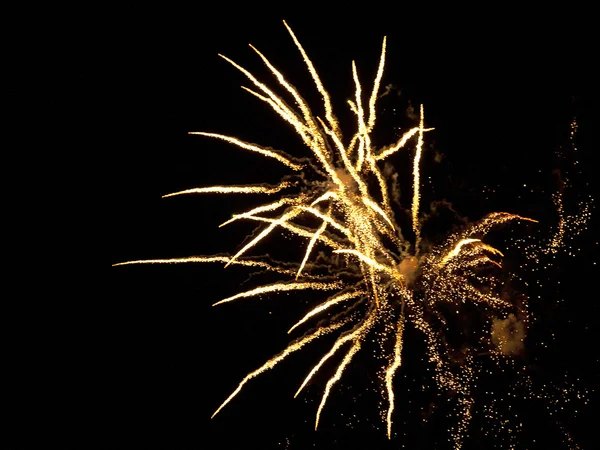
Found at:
<point>347,195</point>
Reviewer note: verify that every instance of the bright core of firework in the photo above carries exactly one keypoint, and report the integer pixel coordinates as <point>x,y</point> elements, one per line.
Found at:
<point>383,280</point>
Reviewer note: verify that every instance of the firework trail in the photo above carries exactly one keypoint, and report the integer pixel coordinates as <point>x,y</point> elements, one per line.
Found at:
<point>343,189</point>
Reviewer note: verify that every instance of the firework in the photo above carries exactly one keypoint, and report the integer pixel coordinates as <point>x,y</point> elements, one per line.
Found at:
<point>401,281</point>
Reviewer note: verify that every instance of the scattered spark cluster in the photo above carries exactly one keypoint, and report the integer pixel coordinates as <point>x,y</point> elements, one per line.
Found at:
<point>569,225</point>
<point>382,279</point>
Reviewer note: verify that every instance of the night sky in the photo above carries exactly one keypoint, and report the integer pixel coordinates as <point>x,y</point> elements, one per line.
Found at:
<point>501,95</point>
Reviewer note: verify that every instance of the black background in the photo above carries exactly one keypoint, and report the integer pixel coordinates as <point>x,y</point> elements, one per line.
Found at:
<point>501,90</point>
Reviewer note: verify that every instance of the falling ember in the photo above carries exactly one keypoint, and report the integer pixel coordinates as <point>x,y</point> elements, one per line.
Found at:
<point>369,261</point>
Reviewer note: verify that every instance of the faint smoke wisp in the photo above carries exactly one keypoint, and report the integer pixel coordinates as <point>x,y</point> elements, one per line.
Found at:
<point>508,335</point>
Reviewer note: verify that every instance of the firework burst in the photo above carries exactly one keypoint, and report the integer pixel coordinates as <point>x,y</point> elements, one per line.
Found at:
<point>384,280</point>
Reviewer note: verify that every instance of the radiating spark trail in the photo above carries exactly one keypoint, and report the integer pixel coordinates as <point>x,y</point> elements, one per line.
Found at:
<point>232,190</point>
<point>362,128</point>
<point>277,359</point>
<point>381,181</point>
<point>400,144</point>
<point>322,307</point>
<point>327,219</point>
<point>299,231</point>
<point>416,182</point>
<point>207,259</point>
<point>286,114</point>
<point>375,207</point>
<point>264,208</point>
<point>315,76</point>
<point>311,244</point>
<point>351,336</point>
<point>280,287</point>
<point>278,106</point>
<point>326,196</point>
<point>299,100</point>
<point>338,375</point>
<point>347,163</point>
<point>371,262</point>
<point>494,219</point>
<point>391,371</point>
<point>284,218</point>
<point>456,250</point>
<point>373,99</point>
<point>490,249</point>
<point>270,153</point>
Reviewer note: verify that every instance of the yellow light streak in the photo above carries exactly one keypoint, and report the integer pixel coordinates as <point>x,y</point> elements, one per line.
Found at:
<point>284,218</point>
<point>207,259</point>
<point>315,76</point>
<point>232,190</point>
<point>294,347</point>
<point>281,287</point>
<point>365,147</point>
<point>270,153</point>
<point>326,196</point>
<point>264,208</point>
<point>336,346</point>
<point>338,298</point>
<point>327,219</point>
<point>338,375</point>
<point>375,207</point>
<point>400,144</point>
<point>299,231</point>
<point>456,250</point>
<point>311,244</point>
<point>391,371</point>
<point>416,183</point>
<point>371,263</point>
<point>373,99</point>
